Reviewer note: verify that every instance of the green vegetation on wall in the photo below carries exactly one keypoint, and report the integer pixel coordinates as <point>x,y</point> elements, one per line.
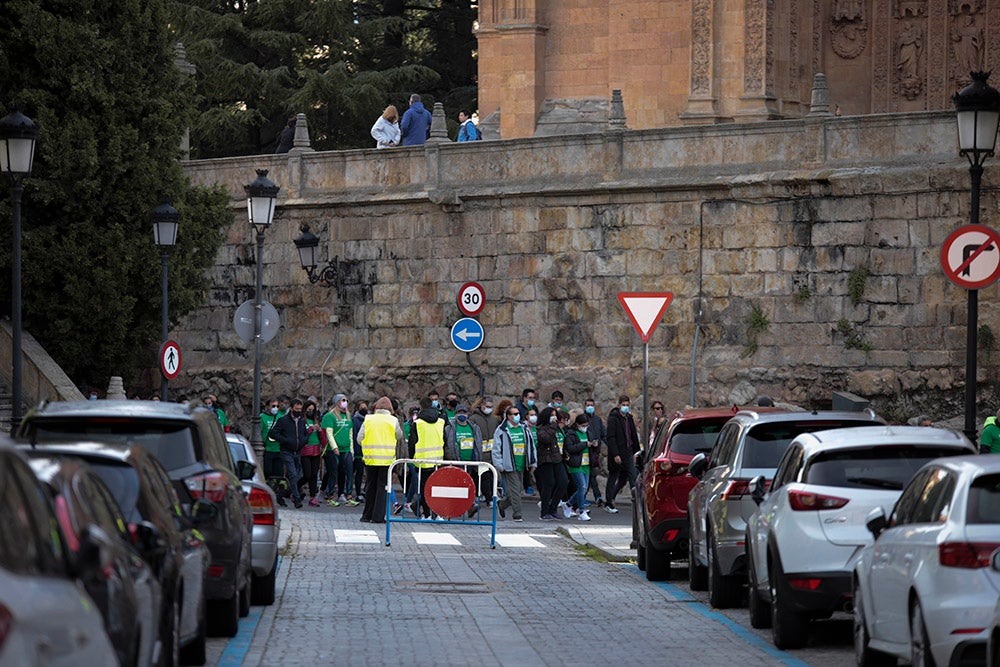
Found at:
<point>756,323</point>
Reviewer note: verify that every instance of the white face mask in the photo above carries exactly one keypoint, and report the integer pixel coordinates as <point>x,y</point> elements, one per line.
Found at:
<point>274,411</point>
<point>487,411</point>
<point>532,419</point>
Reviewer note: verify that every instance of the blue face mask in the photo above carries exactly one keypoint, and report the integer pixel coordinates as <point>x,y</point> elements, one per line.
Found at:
<point>530,403</point>
<point>435,403</point>
<point>462,419</point>
<point>624,409</point>
<point>590,409</point>
<point>517,419</point>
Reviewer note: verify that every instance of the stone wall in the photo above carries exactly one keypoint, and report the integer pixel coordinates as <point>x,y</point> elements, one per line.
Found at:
<point>805,253</point>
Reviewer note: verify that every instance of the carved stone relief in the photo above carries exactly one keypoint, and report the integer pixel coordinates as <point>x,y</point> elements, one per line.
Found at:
<point>967,38</point>
<point>701,47</point>
<point>753,64</point>
<point>909,48</point>
<point>848,27</point>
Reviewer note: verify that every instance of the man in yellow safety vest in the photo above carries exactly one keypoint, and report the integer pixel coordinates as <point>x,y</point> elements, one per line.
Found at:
<point>379,435</point>
<point>427,443</point>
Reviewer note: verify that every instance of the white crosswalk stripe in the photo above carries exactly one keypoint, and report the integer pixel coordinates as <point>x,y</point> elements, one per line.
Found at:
<point>436,538</point>
<point>356,536</point>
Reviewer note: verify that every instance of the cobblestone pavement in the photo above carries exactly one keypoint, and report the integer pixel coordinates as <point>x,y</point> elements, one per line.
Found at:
<point>440,596</point>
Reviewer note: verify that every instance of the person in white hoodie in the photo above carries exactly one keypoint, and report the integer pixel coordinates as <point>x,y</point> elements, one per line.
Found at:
<point>385,131</point>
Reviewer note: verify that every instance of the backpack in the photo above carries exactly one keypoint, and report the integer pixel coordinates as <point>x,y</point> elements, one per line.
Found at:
<point>475,129</point>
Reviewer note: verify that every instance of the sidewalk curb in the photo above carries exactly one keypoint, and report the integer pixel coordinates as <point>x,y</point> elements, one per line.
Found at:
<point>607,555</point>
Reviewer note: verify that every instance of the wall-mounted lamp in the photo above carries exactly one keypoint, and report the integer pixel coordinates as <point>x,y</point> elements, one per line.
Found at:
<point>307,245</point>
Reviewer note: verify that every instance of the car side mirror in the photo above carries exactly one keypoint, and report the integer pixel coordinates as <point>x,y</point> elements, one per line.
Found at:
<point>245,469</point>
<point>876,522</point>
<point>698,465</point>
<point>757,488</point>
<point>995,560</point>
<point>146,537</point>
<point>95,550</point>
<point>203,511</point>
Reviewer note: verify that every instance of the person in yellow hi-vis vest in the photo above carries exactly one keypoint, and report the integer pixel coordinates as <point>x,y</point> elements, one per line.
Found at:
<point>378,435</point>
<point>426,442</point>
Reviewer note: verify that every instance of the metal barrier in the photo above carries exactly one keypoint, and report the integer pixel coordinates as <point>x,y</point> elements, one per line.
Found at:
<point>481,467</point>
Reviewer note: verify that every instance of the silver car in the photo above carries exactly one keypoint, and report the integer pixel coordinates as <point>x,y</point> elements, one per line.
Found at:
<point>266,524</point>
<point>750,444</point>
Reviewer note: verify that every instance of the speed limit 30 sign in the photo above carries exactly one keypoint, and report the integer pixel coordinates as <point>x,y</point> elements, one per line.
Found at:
<point>471,299</point>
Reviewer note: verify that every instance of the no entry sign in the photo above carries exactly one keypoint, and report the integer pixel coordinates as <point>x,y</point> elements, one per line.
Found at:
<point>970,256</point>
<point>450,492</point>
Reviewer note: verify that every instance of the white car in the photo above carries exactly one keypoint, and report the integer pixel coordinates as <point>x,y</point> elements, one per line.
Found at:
<point>46,617</point>
<point>925,591</point>
<point>806,534</point>
<point>993,642</point>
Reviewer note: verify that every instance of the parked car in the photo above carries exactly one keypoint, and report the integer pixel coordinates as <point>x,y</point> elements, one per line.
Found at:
<point>191,445</point>
<point>993,640</point>
<point>750,444</point>
<point>664,484</point>
<point>803,540</point>
<point>163,534</point>
<point>266,524</point>
<point>46,616</point>
<point>125,589</point>
<point>925,591</point>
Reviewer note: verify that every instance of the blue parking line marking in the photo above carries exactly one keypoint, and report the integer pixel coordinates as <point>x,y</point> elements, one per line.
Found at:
<point>748,637</point>
<point>237,647</point>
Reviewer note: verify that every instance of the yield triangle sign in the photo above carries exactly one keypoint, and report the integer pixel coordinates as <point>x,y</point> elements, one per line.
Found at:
<point>645,309</point>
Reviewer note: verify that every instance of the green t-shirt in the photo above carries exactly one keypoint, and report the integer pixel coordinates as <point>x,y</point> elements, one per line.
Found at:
<point>223,419</point>
<point>560,439</point>
<point>465,441</point>
<point>991,435</point>
<point>584,466</point>
<point>313,438</point>
<point>518,444</point>
<point>266,423</point>
<point>341,427</point>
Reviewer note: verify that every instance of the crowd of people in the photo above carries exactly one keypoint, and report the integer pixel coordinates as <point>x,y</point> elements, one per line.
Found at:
<point>343,456</point>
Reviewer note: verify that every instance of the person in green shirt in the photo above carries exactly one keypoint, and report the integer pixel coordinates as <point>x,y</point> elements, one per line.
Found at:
<point>340,440</point>
<point>274,469</point>
<point>463,441</point>
<point>575,447</point>
<point>989,441</point>
<point>211,402</point>
<point>514,452</point>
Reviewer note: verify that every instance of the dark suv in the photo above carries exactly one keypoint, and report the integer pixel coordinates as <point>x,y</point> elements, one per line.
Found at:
<point>191,445</point>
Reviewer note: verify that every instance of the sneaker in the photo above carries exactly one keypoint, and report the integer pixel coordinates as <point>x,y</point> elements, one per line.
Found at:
<point>397,508</point>
<point>313,502</point>
<point>548,517</point>
<point>568,512</point>
<point>298,504</point>
<point>584,516</point>
<point>361,498</point>
<point>342,498</point>
<point>503,515</point>
<point>562,503</point>
<point>281,501</point>
<point>333,502</point>
<point>610,509</point>
<point>354,503</point>
<point>518,519</point>
<point>408,507</point>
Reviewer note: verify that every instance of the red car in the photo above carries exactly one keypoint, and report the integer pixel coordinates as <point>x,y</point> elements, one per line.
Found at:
<point>664,483</point>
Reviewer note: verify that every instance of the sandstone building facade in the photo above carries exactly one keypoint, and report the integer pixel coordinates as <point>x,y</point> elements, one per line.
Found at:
<point>549,66</point>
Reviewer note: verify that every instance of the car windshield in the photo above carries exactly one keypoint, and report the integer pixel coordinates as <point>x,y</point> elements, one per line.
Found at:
<point>766,443</point>
<point>696,436</point>
<point>875,468</point>
<point>170,442</point>
<point>984,500</point>
<point>123,482</point>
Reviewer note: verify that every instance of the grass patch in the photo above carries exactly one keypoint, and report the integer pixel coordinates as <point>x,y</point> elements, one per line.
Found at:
<point>856,283</point>
<point>590,552</point>
<point>756,323</point>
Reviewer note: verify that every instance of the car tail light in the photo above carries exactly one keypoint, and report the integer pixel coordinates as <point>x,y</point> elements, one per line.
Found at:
<point>804,501</point>
<point>670,535</point>
<point>261,507</point>
<point>967,631</point>
<point>210,486</point>
<point>6,621</point>
<point>216,571</point>
<point>804,584</point>
<point>736,488</point>
<point>972,555</point>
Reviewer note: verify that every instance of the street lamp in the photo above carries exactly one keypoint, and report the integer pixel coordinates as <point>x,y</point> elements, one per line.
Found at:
<point>17,153</point>
<point>261,196</point>
<point>307,245</point>
<point>165,222</point>
<point>978,111</point>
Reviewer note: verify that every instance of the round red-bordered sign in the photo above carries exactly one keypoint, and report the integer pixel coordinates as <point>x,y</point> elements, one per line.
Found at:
<point>471,299</point>
<point>450,492</point>
<point>970,256</point>
<point>170,359</point>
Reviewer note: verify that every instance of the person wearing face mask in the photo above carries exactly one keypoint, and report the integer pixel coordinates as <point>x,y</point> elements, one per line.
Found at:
<point>551,473</point>
<point>339,458</point>
<point>530,419</point>
<point>435,399</point>
<point>578,464</point>
<point>597,438</point>
<point>623,443</point>
<point>290,432</point>
<point>556,401</point>
<point>463,441</point>
<point>513,453</point>
<point>274,470</point>
<point>482,415</point>
<point>311,453</point>
<point>360,412</point>
<point>528,399</point>
<point>212,403</point>
<point>426,442</point>
<point>450,406</point>
<point>380,436</point>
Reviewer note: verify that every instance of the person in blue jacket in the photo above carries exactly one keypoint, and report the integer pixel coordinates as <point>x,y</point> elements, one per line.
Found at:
<point>416,124</point>
<point>467,130</point>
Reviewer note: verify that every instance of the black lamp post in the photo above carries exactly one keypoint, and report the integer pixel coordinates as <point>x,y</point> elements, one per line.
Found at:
<point>307,245</point>
<point>261,196</point>
<point>165,222</point>
<point>17,153</point>
<point>978,111</point>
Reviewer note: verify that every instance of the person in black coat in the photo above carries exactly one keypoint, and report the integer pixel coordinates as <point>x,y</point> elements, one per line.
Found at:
<point>623,444</point>
<point>290,432</point>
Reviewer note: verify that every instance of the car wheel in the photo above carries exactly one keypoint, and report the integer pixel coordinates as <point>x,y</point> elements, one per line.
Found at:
<point>863,654</point>
<point>170,646</point>
<point>723,591</point>
<point>225,617</point>
<point>245,597</point>
<point>920,645</point>
<point>789,629</point>
<point>760,611</point>
<point>657,563</point>
<point>697,574</point>
<point>640,557</point>
<point>193,653</point>
<point>262,591</point>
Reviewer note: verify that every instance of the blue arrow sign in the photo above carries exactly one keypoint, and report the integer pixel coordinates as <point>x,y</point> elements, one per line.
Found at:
<point>467,334</point>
